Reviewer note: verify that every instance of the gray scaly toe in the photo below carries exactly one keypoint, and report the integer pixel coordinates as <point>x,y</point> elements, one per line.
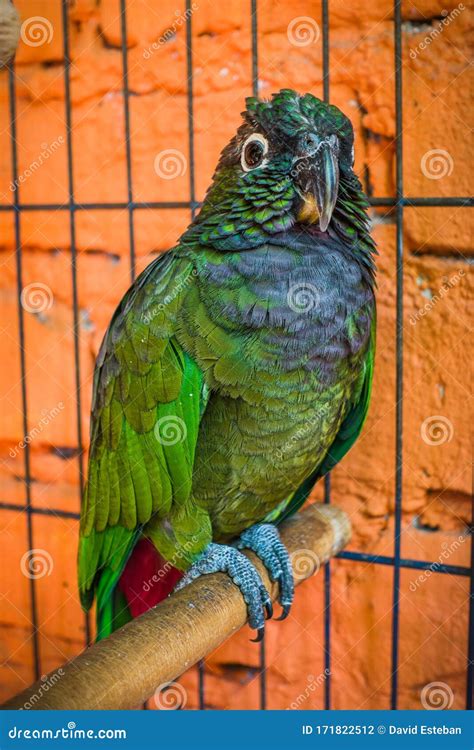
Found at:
<point>219,558</point>
<point>264,540</point>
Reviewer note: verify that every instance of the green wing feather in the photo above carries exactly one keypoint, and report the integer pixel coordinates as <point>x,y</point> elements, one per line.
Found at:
<point>348,433</point>
<point>147,403</point>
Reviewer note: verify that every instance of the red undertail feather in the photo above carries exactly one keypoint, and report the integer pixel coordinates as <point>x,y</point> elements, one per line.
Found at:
<point>147,578</point>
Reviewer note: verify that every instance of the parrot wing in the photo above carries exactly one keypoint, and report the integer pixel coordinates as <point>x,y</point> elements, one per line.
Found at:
<point>148,398</point>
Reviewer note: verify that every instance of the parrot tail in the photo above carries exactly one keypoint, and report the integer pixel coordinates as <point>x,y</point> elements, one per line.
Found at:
<point>145,581</point>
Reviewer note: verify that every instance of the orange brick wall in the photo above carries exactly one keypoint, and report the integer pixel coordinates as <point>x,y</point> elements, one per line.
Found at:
<point>437,360</point>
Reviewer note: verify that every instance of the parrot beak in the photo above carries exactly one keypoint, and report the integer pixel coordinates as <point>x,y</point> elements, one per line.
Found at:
<point>317,181</point>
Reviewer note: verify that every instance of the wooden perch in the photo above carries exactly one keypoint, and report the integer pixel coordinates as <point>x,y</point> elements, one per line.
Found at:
<point>124,670</point>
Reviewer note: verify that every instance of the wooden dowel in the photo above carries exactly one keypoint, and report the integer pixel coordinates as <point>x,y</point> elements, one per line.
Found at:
<point>124,670</point>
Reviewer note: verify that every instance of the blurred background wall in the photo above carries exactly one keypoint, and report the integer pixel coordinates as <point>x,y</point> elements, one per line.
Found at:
<point>437,293</point>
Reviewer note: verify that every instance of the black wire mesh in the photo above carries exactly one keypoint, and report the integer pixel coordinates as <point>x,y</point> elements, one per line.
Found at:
<point>398,203</point>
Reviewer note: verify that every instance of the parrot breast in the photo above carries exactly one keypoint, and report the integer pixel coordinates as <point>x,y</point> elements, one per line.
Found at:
<point>280,333</point>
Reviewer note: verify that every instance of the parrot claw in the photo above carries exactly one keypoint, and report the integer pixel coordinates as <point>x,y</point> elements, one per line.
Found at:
<point>285,613</point>
<point>264,540</point>
<point>269,610</point>
<point>260,634</point>
<point>225,559</point>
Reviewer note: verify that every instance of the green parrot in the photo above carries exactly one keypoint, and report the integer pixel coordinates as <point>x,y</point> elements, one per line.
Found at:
<point>235,372</point>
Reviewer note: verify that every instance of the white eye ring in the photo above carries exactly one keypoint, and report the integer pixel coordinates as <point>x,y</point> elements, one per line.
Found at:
<point>353,155</point>
<point>259,139</point>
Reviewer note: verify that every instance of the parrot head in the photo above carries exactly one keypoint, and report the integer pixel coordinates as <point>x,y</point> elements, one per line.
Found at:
<point>286,165</point>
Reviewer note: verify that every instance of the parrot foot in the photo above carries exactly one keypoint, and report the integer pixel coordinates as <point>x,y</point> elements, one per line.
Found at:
<point>221,558</point>
<point>264,540</point>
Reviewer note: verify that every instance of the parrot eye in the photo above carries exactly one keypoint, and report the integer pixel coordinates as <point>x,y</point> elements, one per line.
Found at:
<point>254,151</point>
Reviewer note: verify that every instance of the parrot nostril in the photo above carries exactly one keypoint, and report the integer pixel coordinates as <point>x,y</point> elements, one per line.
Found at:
<point>309,142</point>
